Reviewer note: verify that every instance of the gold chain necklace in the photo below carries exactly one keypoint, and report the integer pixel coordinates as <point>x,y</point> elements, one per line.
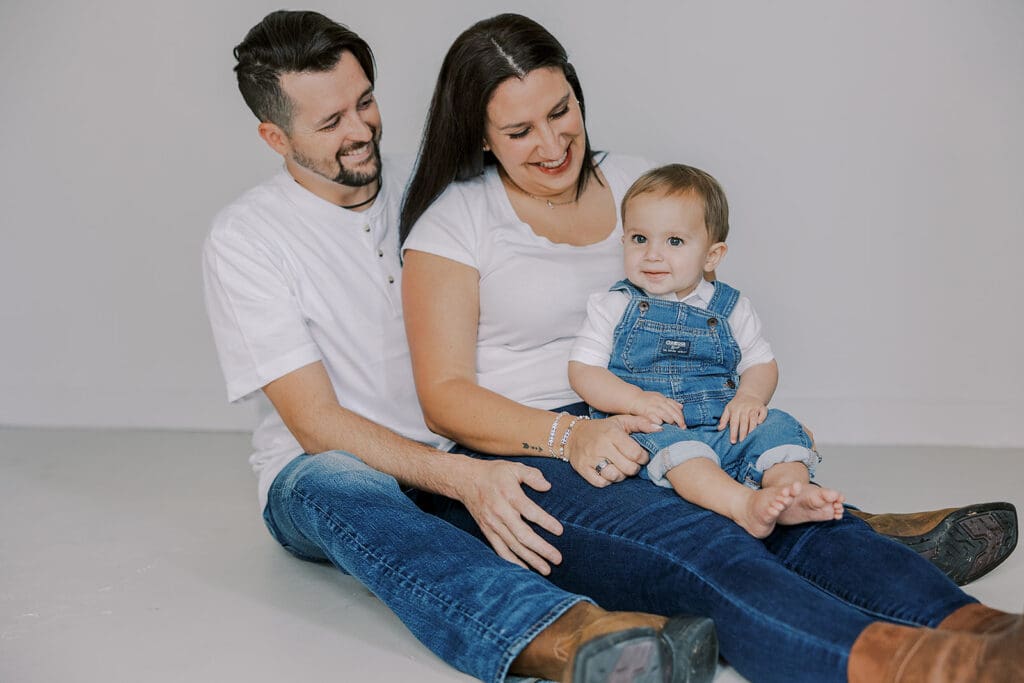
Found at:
<point>551,204</point>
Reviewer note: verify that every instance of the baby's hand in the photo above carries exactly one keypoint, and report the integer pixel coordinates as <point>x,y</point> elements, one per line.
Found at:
<point>658,408</point>
<point>742,414</point>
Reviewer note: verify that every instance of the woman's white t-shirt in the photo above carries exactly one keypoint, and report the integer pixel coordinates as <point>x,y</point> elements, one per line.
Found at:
<point>533,292</point>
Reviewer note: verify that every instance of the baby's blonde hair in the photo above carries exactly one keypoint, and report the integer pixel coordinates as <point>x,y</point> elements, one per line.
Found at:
<point>679,179</point>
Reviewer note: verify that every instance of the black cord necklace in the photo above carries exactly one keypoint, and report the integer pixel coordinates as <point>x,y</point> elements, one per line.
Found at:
<point>380,183</point>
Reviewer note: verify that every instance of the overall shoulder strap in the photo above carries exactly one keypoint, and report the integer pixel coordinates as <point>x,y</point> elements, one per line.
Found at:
<point>627,287</point>
<point>724,299</point>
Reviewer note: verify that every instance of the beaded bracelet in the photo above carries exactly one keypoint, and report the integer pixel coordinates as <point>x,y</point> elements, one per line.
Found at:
<point>565,437</point>
<point>551,434</point>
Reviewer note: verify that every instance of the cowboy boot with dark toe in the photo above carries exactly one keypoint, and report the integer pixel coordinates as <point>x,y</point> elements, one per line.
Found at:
<point>965,543</point>
<point>589,645</point>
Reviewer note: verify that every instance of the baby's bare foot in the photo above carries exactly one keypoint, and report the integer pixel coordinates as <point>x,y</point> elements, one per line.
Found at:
<point>813,504</point>
<point>763,508</point>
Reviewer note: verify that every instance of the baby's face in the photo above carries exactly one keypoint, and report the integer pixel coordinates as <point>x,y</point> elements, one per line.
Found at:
<point>666,244</point>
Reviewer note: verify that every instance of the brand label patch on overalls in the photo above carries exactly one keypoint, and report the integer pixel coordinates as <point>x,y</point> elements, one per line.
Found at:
<point>680,347</point>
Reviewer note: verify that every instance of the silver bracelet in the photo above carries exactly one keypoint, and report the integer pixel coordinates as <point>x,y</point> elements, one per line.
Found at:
<point>551,434</point>
<point>565,437</point>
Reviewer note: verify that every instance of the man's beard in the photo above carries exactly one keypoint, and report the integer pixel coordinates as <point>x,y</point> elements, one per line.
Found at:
<point>356,178</point>
<point>345,176</point>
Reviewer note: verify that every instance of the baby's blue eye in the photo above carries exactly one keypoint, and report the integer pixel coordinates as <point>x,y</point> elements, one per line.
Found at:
<point>675,241</point>
<point>638,239</point>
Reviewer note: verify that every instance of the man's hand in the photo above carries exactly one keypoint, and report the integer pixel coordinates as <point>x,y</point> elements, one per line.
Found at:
<point>658,408</point>
<point>741,415</point>
<point>493,494</point>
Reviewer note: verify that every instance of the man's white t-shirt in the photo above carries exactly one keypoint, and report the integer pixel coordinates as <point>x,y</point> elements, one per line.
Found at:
<point>291,279</point>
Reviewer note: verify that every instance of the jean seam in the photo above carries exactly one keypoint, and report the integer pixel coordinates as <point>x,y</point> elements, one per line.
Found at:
<point>531,633</point>
<point>831,591</point>
<point>677,561</point>
<point>503,642</point>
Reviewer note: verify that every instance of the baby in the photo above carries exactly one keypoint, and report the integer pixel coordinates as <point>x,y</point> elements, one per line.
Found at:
<point>688,353</point>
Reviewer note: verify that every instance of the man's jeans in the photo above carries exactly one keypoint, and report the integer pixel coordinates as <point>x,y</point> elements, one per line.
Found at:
<point>470,607</point>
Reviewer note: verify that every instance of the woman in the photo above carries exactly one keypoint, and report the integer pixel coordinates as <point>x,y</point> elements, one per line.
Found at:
<point>497,268</point>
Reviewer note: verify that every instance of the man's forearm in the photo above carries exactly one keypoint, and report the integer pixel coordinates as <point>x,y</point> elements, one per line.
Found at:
<point>308,405</point>
<point>410,462</point>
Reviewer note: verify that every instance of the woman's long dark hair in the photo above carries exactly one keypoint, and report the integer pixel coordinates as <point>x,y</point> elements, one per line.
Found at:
<point>486,54</point>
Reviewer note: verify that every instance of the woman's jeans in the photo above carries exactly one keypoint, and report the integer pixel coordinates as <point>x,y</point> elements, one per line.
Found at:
<point>787,608</point>
<point>470,607</point>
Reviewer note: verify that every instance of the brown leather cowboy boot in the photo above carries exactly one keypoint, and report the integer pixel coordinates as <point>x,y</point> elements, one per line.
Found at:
<point>978,618</point>
<point>890,653</point>
<point>589,645</point>
<point>966,543</point>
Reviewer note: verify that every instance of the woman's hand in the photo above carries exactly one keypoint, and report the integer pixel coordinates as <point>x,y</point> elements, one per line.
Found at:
<point>605,445</point>
<point>657,407</point>
<point>493,493</point>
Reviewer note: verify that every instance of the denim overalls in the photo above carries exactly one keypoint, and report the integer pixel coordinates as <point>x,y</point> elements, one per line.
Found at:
<point>689,354</point>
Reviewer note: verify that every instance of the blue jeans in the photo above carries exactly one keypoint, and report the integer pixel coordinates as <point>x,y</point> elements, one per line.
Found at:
<point>787,608</point>
<point>470,607</point>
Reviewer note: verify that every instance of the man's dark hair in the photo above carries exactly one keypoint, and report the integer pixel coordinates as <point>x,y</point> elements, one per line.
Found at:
<point>291,42</point>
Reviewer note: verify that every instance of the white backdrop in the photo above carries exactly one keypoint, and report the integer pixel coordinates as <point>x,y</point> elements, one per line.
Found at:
<point>871,151</point>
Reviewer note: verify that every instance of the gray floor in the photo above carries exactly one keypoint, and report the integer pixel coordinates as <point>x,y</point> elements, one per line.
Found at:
<point>140,556</point>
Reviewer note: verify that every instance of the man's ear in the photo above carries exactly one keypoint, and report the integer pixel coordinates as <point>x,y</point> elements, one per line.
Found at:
<point>275,138</point>
<point>715,255</point>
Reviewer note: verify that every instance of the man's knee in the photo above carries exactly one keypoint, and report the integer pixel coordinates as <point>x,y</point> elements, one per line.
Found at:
<point>340,476</point>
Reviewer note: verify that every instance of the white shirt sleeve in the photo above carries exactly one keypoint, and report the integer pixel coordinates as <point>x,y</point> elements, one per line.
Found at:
<point>593,345</point>
<point>448,227</point>
<point>258,327</point>
<point>746,328</point>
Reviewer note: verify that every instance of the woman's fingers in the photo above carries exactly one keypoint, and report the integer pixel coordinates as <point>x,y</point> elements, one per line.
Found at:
<point>612,473</point>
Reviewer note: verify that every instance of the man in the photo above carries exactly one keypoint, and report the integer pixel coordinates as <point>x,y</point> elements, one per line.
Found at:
<point>303,292</point>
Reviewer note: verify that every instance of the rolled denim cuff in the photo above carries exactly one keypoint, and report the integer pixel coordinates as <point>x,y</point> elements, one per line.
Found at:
<point>675,455</point>
<point>788,453</point>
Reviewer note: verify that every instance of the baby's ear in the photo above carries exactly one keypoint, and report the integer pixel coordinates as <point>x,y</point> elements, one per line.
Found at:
<point>715,255</point>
